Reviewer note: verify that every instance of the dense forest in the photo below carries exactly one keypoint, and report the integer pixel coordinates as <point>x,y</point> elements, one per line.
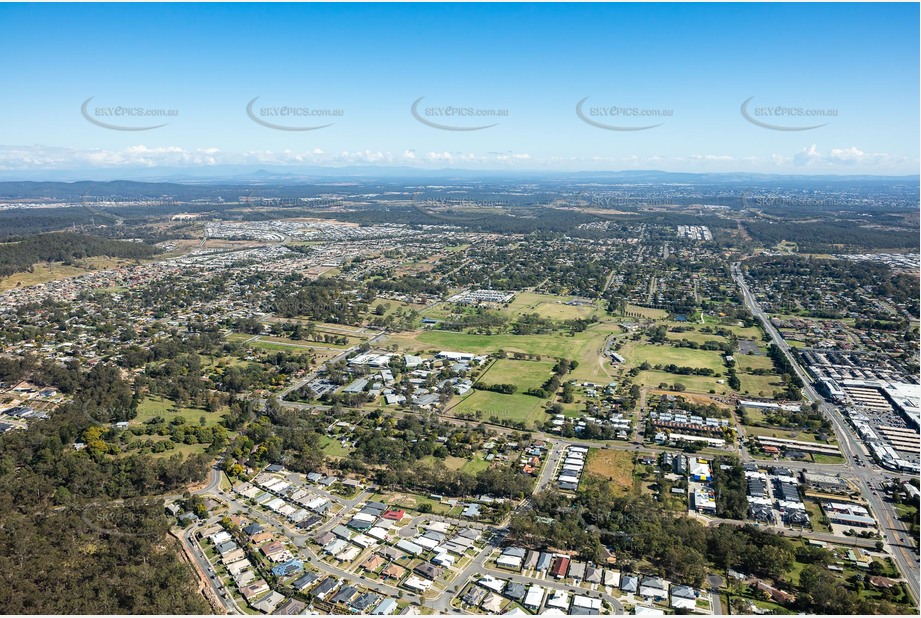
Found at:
<point>65,247</point>
<point>832,236</point>
<point>80,524</point>
<point>323,300</point>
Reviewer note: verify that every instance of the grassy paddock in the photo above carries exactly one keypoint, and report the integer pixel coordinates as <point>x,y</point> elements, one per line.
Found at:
<point>638,353</point>
<point>149,407</point>
<point>517,407</point>
<point>694,384</point>
<point>616,467</point>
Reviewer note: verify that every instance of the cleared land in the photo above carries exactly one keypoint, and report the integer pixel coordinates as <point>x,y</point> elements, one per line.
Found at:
<point>549,306</point>
<point>584,347</point>
<point>750,361</point>
<point>666,354</point>
<point>695,336</point>
<point>762,386</point>
<point>646,312</point>
<point>699,384</point>
<point>515,407</point>
<point>43,272</point>
<point>523,374</point>
<point>149,407</point>
<point>333,448</point>
<point>615,467</point>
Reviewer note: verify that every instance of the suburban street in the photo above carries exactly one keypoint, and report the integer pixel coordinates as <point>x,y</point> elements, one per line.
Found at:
<point>894,531</point>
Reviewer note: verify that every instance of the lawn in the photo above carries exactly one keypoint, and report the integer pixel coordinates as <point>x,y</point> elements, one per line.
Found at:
<point>297,343</point>
<point>584,347</point>
<point>517,407</point>
<point>638,353</point>
<point>754,416</point>
<point>646,312</point>
<point>150,407</point>
<point>182,449</point>
<point>521,373</point>
<point>815,516</point>
<point>698,384</point>
<point>779,432</point>
<point>474,465</point>
<point>748,362</point>
<point>695,336</point>
<point>548,306</point>
<point>614,466</point>
<point>760,386</point>
<point>333,448</point>
<point>411,502</point>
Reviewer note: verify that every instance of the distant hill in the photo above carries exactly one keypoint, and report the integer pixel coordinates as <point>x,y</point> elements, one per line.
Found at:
<point>228,183</point>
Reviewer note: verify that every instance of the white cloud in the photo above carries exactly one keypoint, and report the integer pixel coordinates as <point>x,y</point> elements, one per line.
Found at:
<point>839,157</point>
<point>41,158</point>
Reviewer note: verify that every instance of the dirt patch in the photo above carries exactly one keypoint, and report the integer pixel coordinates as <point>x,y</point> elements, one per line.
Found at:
<point>616,467</point>
<point>695,398</point>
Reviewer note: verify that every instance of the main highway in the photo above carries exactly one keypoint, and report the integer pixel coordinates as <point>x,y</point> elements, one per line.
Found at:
<point>894,531</point>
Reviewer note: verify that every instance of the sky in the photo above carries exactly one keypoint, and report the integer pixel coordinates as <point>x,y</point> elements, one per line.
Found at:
<point>830,88</point>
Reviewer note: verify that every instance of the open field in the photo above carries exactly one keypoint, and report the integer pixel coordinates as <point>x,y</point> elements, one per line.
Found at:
<point>43,272</point>
<point>474,465</point>
<point>412,502</point>
<point>523,374</point>
<point>150,407</point>
<point>750,361</point>
<point>616,467</point>
<point>695,336</point>
<point>638,353</point>
<point>356,332</point>
<point>517,407</point>
<point>646,312</point>
<point>700,400</point>
<point>181,449</point>
<point>779,432</point>
<point>548,306</point>
<point>584,347</point>
<point>755,416</point>
<point>321,351</point>
<point>394,305</point>
<point>333,448</point>
<point>761,386</point>
<point>699,384</point>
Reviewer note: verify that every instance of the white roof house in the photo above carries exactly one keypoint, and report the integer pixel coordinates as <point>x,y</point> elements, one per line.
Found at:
<point>534,597</point>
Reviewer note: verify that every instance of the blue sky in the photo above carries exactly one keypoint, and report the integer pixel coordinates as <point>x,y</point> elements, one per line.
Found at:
<point>692,65</point>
